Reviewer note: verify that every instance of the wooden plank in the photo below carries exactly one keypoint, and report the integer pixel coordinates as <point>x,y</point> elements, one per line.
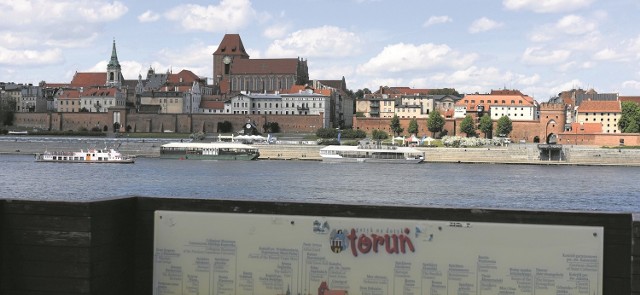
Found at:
<point>45,284</point>
<point>50,238</point>
<point>62,269</point>
<point>46,208</point>
<point>45,253</point>
<point>49,222</point>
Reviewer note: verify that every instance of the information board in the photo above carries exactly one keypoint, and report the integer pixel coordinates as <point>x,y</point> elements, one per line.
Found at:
<point>227,253</point>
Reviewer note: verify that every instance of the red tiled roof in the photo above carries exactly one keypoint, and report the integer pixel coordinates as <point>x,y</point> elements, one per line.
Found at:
<point>56,85</point>
<point>69,94</point>
<point>186,76</point>
<point>265,66</point>
<point>506,92</point>
<point>488,100</point>
<point>635,99</point>
<point>105,92</point>
<point>219,105</point>
<point>301,88</point>
<point>610,106</point>
<point>231,44</point>
<point>89,79</point>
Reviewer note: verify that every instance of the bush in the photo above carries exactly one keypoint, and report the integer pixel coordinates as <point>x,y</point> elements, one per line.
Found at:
<point>327,133</point>
<point>353,133</point>
<point>328,141</point>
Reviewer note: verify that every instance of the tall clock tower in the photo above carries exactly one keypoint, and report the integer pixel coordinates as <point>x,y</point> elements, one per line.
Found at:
<point>230,49</point>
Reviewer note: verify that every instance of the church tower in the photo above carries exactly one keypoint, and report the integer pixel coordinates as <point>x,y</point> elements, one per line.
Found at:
<point>114,72</point>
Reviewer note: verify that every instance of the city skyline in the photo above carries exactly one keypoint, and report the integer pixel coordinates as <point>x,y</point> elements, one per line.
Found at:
<point>541,47</point>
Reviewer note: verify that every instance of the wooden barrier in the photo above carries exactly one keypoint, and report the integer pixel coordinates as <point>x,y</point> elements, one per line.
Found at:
<point>106,247</point>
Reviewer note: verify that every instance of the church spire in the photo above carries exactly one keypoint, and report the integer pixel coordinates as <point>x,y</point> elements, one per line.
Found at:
<point>114,71</point>
<point>114,57</point>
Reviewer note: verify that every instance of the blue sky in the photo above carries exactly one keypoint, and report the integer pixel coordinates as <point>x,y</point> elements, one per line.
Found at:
<point>540,47</point>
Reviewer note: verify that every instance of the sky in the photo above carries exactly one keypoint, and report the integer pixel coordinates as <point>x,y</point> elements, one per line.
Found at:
<point>540,47</point>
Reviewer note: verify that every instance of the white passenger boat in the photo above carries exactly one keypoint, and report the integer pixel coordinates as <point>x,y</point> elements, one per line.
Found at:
<point>208,151</point>
<point>88,156</point>
<point>371,154</point>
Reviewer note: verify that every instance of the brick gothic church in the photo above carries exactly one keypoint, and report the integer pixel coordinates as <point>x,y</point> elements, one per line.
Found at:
<point>234,71</point>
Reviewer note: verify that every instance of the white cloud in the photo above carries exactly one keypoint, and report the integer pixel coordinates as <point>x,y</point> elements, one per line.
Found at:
<point>475,79</point>
<point>539,56</point>
<point>575,25</point>
<point>228,15</point>
<point>484,24</point>
<point>607,54</point>
<point>631,84</point>
<point>434,20</point>
<point>12,40</point>
<point>148,17</point>
<point>321,71</point>
<point>557,87</point>
<point>30,57</point>
<point>44,13</point>
<point>546,6</point>
<point>276,31</point>
<point>530,80</point>
<point>406,57</point>
<point>101,12</point>
<point>325,41</point>
<point>195,55</point>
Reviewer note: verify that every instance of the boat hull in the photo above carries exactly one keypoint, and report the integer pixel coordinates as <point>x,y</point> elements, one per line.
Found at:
<point>371,160</point>
<point>99,156</point>
<point>127,161</point>
<point>208,151</point>
<point>237,157</point>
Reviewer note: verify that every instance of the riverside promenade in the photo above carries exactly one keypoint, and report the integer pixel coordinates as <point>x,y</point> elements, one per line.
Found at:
<point>512,154</point>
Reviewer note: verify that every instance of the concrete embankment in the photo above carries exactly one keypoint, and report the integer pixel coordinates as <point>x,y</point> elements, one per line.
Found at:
<point>514,154</point>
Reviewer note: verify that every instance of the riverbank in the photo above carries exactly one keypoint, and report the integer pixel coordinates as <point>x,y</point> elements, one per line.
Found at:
<point>513,154</point>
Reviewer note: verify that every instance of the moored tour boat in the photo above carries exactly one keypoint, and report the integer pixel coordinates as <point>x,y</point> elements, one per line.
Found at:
<point>88,156</point>
<point>208,151</point>
<point>371,154</point>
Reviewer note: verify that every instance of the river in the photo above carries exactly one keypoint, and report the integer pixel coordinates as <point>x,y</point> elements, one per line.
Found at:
<point>579,188</point>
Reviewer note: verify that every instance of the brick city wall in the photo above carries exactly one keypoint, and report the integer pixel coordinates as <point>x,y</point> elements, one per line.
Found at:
<point>527,130</point>
<point>164,122</point>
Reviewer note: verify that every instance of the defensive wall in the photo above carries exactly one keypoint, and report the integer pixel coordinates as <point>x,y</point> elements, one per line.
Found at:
<point>107,246</point>
<point>181,123</point>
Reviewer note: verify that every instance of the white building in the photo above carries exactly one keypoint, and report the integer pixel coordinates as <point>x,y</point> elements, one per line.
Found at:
<point>302,103</point>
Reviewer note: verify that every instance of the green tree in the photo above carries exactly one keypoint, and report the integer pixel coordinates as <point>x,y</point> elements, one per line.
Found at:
<point>504,126</point>
<point>435,123</point>
<point>359,94</point>
<point>271,127</point>
<point>630,118</point>
<point>486,125</point>
<point>467,126</point>
<point>413,126</point>
<point>395,125</point>
<point>379,134</point>
<point>7,112</point>
<point>225,127</point>
<point>327,133</point>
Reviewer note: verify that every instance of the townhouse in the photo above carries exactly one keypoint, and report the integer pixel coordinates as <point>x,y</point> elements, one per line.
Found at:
<point>605,113</point>
<point>498,103</point>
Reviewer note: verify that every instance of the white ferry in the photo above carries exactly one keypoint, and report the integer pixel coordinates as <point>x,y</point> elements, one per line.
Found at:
<point>371,154</point>
<point>208,151</point>
<point>89,156</point>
